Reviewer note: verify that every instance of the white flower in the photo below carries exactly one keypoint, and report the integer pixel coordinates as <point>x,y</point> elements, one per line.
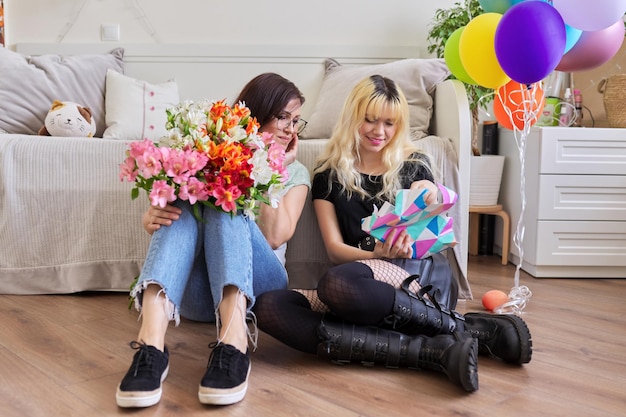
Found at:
<point>275,194</point>
<point>261,171</point>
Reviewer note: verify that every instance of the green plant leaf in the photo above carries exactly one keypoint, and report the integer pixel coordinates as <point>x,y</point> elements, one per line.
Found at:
<point>443,24</point>
<point>130,298</point>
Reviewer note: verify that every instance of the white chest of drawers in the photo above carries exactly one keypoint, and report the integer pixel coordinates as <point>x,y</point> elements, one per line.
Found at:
<point>575,216</point>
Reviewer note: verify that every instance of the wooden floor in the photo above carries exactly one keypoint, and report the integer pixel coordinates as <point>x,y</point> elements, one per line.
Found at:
<point>64,355</point>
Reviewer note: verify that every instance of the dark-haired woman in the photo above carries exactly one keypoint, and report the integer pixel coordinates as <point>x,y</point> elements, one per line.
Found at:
<point>213,270</point>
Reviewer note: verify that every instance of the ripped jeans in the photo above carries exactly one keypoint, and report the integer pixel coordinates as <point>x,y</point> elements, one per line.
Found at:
<point>193,261</point>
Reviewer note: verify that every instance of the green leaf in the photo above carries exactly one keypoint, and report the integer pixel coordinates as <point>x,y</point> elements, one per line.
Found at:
<point>132,299</point>
<point>443,24</point>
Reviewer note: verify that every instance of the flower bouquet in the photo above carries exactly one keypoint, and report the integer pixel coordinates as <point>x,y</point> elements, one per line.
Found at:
<point>213,154</point>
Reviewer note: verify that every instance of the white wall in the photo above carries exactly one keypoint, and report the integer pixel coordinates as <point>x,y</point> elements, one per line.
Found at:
<point>298,22</point>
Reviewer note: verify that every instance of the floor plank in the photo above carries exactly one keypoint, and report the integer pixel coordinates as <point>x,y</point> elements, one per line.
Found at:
<point>63,355</point>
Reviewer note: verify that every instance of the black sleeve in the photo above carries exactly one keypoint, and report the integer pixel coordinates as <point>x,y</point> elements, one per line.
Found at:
<point>319,188</point>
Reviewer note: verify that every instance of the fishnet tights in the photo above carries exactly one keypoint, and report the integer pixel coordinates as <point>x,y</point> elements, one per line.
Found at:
<point>382,271</point>
<point>362,292</point>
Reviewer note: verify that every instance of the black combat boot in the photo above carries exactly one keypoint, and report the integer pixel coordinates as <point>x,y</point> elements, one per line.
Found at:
<point>454,355</point>
<point>501,335</point>
<point>504,336</point>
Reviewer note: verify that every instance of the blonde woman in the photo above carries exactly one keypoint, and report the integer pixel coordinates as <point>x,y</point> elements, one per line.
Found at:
<point>371,308</point>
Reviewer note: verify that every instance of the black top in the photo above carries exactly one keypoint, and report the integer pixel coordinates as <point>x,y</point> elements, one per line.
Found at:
<point>351,211</point>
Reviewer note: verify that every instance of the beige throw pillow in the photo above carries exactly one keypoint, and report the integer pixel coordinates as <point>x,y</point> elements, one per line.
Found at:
<point>135,109</point>
<point>416,77</point>
<point>29,85</point>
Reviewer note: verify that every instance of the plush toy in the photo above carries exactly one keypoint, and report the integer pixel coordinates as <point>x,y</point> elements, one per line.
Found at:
<point>66,118</point>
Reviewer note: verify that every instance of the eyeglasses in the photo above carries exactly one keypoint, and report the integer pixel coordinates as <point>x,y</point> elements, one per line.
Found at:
<point>284,121</point>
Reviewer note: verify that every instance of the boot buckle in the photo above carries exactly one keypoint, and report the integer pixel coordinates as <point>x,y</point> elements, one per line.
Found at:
<point>458,315</point>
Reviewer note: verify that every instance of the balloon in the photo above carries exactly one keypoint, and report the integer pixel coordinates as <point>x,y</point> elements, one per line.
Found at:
<point>572,35</point>
<point>477,52</point>
<point>453,59</point>
<point>590,15</point>
<point>515,103</point>
<point>530,41</point>
<point>497,6</point>
<point>593,49</point>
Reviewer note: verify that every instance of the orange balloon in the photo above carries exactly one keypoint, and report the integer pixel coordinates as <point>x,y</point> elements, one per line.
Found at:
<point>494,298</point>
<point>516,104</point>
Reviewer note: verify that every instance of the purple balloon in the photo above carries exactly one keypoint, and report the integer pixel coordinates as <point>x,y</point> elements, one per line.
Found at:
<point>530,41</point>
<point>593,49</point>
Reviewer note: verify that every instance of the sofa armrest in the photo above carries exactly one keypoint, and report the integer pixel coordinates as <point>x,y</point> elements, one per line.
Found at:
<point>452,119</point>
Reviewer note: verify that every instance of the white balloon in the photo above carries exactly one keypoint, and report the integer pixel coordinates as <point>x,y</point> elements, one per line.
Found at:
<point>590,15</point>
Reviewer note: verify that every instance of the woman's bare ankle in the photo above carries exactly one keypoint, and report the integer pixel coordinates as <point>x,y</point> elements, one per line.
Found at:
<point>232,312</point>
<point>236,338</point>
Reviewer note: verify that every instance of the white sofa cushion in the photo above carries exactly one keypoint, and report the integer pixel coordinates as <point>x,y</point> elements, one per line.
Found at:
<point>135,109</point>
<point>29,85</point>
<point>416,77</point>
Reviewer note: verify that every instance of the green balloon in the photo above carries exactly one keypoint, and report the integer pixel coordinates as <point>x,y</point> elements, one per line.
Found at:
<point>453,59</point>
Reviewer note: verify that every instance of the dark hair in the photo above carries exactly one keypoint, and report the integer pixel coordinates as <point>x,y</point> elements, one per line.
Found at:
<point>385,87</point>
<point>266,95</point>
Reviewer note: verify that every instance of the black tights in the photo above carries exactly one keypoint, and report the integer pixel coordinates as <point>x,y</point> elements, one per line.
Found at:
<point>349,290</point>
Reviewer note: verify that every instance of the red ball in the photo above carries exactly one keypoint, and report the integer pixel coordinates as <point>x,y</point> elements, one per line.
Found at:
<point>494,298</point>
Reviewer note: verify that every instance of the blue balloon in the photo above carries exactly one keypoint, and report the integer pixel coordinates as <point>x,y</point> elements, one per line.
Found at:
<point>572,35</point>
<point>530,41</point>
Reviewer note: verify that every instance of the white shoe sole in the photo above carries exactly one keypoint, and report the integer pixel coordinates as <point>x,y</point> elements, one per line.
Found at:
<point>136,399</point>
<point>217,396</point>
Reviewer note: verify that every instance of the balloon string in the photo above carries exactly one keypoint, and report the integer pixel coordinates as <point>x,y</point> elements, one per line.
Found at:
<point>519,295</point>
<point>518,298</point>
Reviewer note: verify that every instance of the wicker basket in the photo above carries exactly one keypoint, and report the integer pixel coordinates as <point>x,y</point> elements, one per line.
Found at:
<point>613,90</point>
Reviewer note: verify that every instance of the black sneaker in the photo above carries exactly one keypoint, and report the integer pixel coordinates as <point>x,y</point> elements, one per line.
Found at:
<point>141,386</point>
<point>226,379</point>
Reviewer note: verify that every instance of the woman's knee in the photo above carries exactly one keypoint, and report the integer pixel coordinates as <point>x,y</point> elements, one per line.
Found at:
<point>340,277</point>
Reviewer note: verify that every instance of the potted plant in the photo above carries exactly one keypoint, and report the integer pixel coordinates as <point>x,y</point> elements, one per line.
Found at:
<point>444,23</point>
<point>486,172</point>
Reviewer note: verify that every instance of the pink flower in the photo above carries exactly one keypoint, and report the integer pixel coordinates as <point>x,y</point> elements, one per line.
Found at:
<point>194,190</point>
<point>195,160</point>
<point>149,163</point>
<point>227,198</point>
<point>162,193</point>
<point>276,157</point>
<point>267,138</point>
<point>175,165</point>
<point>127,169</point>
<point>138,148</point>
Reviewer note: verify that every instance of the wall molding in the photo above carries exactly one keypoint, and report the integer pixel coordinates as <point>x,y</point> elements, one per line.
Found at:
<point>210,53</point>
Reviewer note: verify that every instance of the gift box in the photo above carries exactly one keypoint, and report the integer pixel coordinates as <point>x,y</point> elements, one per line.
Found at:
<point>428,225</point>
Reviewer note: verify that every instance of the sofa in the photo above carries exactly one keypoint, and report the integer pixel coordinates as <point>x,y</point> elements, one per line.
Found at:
<point>68,223</point>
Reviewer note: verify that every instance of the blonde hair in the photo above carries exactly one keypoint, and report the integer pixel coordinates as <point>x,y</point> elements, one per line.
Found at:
<point>370,97</point>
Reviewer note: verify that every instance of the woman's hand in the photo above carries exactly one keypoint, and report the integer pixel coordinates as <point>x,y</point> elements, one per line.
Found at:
<point>393,248</point>
<point>291,151</point>
<point>156,217</point>
<point>432,193</point>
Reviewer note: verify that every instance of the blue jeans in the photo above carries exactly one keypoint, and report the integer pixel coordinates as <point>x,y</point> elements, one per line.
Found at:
<point>193,261</point>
